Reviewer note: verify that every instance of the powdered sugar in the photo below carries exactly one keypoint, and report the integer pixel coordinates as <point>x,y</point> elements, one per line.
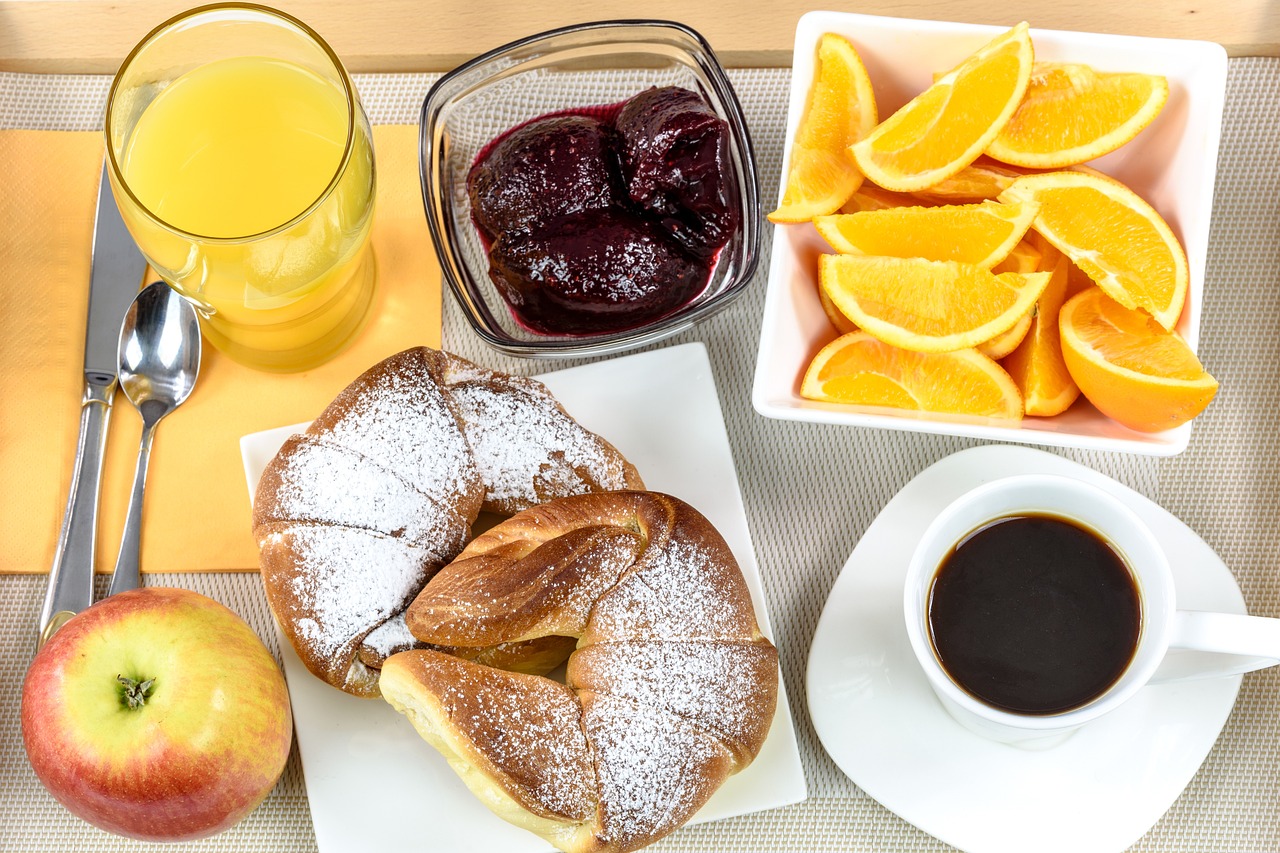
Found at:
<point>719,686</point>
<point>676,685</point>
<point>390,637</point>
<point>531,731</point>
<point>347,582</point>
<point>389,459</point>
<point>403,422</point>
<point>681,591</point>
<point>655,770</point>
<point>526,448</point>
<point>318,480</point>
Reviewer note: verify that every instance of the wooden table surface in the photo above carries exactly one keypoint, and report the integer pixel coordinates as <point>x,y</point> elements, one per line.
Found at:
<point>93,36</point>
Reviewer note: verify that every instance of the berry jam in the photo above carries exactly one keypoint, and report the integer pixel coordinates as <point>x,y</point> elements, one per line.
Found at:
<point>605,218</point>
<point>552,167</point>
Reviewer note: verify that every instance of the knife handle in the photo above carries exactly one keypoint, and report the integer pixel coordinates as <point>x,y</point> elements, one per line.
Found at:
<point>71,576</point>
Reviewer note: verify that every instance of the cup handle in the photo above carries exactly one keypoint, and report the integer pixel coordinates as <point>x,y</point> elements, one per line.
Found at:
<point>1208,645</point>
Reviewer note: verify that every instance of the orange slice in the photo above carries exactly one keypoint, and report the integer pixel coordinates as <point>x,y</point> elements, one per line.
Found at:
<point>859,369</point>
<point>1078,280</point>
<point>928,306</point>
<point>842,324</point>
<point>818,182</point>
<point>1006,342</point>
<point>981,179</point>
<point>1024,258</point>
<point>1133,370</point>
<point>1113,235</point>
<point>1036,365</point>
<point>841,109</point>
<point>872,197</point>
<point>1072,113</point>
<point>979,234</point>
<point>946,127</point>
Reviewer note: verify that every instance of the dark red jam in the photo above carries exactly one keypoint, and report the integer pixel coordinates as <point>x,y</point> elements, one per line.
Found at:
<point>606,218</point>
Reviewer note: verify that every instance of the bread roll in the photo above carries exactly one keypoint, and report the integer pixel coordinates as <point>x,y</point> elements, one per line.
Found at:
<point>672,687</point>
<point>355,515</point>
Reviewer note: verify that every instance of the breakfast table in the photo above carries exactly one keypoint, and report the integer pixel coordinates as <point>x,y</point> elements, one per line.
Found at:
<point>810,491</point>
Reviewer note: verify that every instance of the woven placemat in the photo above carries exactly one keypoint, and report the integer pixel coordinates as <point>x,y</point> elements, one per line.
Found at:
<point>811,491</point>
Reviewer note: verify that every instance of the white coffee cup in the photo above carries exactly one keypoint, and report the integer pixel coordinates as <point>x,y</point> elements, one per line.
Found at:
<point>1242,643</point>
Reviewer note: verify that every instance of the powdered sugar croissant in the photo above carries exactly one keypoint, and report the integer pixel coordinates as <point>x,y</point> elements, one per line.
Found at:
<point>672,687</point>
<point>355,515</point>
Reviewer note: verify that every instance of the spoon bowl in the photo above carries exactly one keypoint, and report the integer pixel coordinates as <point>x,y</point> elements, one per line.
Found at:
<point>159,359</point>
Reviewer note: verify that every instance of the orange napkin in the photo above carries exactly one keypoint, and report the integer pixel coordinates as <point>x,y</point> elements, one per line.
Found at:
<point>196,516</point>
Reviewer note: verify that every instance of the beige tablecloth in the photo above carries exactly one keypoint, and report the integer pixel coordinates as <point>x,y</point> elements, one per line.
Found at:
<point>798,479</point>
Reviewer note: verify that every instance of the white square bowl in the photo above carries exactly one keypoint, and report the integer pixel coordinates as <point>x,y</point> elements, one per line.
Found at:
<point>1171,164</point>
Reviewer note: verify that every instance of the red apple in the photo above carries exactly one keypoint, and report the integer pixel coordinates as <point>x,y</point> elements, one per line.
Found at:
<point>157,714</point>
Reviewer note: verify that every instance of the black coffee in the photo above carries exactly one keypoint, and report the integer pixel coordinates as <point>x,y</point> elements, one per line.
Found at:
<point>1034,614</point>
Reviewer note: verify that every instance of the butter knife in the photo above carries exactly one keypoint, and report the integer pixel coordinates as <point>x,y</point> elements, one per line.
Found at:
<point>118,267</point>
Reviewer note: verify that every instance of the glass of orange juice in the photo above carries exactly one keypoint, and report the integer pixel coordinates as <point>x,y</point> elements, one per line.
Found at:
<point>242,163</point>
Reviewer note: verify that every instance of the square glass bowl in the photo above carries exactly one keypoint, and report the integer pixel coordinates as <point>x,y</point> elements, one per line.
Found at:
<point>1171,164</point>
<point>567,69</point>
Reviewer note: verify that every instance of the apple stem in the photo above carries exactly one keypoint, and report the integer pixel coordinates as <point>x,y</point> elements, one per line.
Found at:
<point>135,693</point>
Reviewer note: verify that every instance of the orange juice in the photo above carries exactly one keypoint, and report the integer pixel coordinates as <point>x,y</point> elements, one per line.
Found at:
<point>250,189</point>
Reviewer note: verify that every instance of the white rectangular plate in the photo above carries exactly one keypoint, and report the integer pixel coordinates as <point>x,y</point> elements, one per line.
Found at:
<point>1172,164</point>
<point>374,784</point>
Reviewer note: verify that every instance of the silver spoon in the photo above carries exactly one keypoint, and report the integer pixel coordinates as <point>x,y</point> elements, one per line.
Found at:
<point>159,361</point>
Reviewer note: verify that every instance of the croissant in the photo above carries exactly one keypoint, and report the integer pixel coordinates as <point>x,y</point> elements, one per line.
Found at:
<point>672,687</point>
<point>356,514</point>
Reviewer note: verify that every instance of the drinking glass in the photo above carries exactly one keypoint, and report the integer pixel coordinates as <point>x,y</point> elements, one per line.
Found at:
<point>242,163</point>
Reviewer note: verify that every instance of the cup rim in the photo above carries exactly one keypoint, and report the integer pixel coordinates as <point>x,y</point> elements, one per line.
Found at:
<point>1152,576</point>
<point>348,90</point>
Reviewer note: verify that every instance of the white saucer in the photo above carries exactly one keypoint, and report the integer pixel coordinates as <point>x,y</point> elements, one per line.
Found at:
<point>1099,791</point>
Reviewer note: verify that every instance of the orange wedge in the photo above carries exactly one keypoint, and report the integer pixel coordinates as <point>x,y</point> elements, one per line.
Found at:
<point>859,369</point>
<point>872,197</point>
<point>979,234</point>
<point>928,306</point>
<point>1036,365</point>
<point>842,324</point>
<point>818,182</point>
<point>1024,258</point>
<point>1071,113</point>
<point>1078,280</point>
<point>841,109</point>
<point>946,127</point>
<point>1118,239</point>
<point>982,179</point>
<point>1133,370</point>
<point>1006,342</point>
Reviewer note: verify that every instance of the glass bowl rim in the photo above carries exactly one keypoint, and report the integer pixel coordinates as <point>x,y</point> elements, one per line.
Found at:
<point>608,343</point>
